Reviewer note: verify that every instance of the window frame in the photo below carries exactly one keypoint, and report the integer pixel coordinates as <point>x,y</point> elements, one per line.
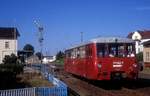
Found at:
<point>7,45</point>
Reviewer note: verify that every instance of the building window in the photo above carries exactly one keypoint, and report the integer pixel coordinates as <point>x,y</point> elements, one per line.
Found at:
<point>6,45</point>
<point>147,56</point>
<point>136,37</point>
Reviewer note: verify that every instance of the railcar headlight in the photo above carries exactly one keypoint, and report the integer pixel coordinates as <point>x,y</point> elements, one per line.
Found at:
<point>134,65</point>
<point>99,65</point>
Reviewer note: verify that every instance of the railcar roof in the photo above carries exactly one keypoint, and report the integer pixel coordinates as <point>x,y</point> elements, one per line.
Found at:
<point>105,40</point>
<point>111,40</point>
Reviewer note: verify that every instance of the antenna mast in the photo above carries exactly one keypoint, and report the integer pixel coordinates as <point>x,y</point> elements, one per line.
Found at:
<point>81,36</point>
<point>40,35</point>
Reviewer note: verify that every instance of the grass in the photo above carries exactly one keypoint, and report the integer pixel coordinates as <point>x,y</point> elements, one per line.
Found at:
<point>59,62</point>
<point>34,79</point>
<point>24,80</point>
<point>38,81</point>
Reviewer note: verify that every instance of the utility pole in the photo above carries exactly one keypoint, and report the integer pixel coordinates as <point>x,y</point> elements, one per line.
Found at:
<point>81,36</point>
<point>15,39</point>
<point>15,36</point>
<point>40,36</point>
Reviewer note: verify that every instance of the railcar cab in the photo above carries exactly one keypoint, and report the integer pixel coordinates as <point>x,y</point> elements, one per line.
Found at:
<point>116,59</point>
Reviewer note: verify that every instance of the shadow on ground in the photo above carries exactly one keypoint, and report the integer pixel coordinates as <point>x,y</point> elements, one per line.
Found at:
<point>118,84</point>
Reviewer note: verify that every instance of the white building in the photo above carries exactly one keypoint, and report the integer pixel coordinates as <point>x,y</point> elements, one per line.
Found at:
<point>33,60</point>
<point>8,41</point>
<point>140,37</point>
<point>48,59</point>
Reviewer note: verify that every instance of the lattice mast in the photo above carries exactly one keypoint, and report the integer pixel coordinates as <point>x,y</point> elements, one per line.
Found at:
<point>40,36</point>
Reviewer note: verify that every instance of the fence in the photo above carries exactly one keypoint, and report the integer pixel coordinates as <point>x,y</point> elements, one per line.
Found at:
<point>18,92</point>
<point>46,72</point>
<point>38,91</point>
<point>60,88</point>
<point>56,91</point>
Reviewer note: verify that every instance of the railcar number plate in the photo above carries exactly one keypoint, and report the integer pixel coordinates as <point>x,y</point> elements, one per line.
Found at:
<point>117,63</point>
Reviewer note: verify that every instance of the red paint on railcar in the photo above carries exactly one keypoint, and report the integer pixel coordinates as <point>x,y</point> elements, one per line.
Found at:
<point>84,61</point>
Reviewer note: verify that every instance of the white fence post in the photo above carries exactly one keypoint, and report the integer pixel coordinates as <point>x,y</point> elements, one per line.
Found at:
<point>34,91</point>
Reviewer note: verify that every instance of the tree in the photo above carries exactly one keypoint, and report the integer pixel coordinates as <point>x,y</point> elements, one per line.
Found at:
<point>10,59</point>
<point>9,70</point>
<point>139,56</point>
<point>60,55</point>
<point>29,49</point>
<point>21,56</point>
<point>11,64</point>
<point>40,55</point>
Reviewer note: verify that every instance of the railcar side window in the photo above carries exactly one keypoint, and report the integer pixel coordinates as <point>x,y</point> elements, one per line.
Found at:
<point>101,50</point>
<point>73,54</point>
<point>88,51</point>
<point>68,54</point>
<point>78,52</point>
<point>82,52</point>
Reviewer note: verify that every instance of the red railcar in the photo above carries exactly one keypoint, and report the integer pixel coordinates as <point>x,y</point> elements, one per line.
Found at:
<point>103,59</point>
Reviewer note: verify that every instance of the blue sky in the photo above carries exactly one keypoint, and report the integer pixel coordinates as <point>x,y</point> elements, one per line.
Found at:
<point>63,20</point>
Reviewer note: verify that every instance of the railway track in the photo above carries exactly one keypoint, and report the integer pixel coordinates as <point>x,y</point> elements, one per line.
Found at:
<point>84,88</point>
<point>72,92</point>
<point>80,87</point>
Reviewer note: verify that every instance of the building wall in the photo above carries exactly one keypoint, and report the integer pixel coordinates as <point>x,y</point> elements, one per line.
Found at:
<point>11,48</point>
<point>49,59</point>
<point>140,46</point>
<point>136,36</point>
<point>138,41</point>
<point>33,60</point>
<point>146,55</point>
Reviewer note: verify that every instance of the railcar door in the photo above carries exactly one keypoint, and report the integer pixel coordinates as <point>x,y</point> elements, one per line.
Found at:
<point>89,66</point>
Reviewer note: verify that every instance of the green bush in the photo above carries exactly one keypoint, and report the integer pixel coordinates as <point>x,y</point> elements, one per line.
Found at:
<point>60,55</point>
<point>13,68</point>
<point>60,61</point>
<point>9,70</point>
<point>11,64</point>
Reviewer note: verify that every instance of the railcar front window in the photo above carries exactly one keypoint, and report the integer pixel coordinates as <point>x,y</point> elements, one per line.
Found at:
<point>115,50</point>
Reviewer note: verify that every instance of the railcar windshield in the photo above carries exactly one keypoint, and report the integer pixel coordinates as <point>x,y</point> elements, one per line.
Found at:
<point>115,50</point>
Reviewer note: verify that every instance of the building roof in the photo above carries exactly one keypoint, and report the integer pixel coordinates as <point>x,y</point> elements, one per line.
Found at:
<point>145,34</point>
<point>130,35</point>
<point>8,33</point>
<point>33,57</point>
<point>147,43</point>
<point>106,40</point>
